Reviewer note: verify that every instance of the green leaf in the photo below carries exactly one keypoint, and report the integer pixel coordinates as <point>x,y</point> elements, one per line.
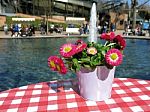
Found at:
<point>78,68</point>
<point>95,61</point>
<point>75,61</point>
<point>99,55</point>
<point>85,59</point>
<point>103,52</point>
<point>111,44</point>
<point>75,66</point>
<point>87,66</point>
<point>84,54</point>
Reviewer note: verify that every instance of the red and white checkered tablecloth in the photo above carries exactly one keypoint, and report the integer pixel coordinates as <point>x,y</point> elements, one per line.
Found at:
<point>128,95</point>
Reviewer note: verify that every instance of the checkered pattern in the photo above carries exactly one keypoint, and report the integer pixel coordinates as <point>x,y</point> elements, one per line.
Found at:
<point>128,95</point>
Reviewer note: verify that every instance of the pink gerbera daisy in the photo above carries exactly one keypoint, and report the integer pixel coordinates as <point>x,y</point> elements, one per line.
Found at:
<point>67,50</point>
<point>80,47</point>
<point>114,57</point>
<point>92,50</point>
<point>121,41</point>
<point>108,36</point>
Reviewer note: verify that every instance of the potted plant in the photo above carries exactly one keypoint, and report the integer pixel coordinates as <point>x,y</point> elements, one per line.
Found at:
<point>91,60</point>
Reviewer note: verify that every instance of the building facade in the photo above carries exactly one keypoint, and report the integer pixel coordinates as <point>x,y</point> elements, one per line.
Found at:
<point>73,8</point>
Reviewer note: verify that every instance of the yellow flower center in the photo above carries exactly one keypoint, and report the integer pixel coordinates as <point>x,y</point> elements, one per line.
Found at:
<point>92,51</point>
<point>52,64</point>
<point>114,56</point>
<point>58,67</point>
<point>67,49</point>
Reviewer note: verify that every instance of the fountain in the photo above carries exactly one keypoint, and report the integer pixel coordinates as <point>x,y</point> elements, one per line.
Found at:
<point>93,29</point>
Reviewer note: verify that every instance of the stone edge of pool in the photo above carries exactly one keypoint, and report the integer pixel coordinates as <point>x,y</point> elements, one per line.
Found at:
<point>65,36</point>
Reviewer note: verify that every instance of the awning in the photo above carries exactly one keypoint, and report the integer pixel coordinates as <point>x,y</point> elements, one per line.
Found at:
<point>75,20</point>
<point>23,19</point>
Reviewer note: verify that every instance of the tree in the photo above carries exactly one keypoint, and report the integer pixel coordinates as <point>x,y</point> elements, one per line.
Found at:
<point>104,7</point>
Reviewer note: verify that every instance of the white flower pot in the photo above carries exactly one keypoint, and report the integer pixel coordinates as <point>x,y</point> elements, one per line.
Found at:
<point>96,85</point>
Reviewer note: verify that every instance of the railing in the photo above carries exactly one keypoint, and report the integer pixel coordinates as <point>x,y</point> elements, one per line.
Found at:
<point>76,2</point>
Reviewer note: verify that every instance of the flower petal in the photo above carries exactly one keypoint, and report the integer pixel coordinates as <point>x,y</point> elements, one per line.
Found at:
<point>121,41</point>
<point>108,36</point>
<point>80,47</point>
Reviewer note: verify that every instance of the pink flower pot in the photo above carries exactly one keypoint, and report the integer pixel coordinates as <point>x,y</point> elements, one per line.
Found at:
<point>96,84</point>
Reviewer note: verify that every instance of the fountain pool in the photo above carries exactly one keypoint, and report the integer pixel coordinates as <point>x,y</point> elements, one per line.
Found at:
<point>24,61</point>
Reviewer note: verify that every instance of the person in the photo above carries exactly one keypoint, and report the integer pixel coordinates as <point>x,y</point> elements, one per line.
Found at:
<point>6,29</point>
<point>81,30</point>
<point>12,30</point>
<point>32,29</point>
<point>23,31</point>
<point>86,28</point>
<point>16,30</point>
<point>138,30</point>
<point>112,26</point>
<point>105,27</point>
<point>42,28</point>
<point>99,29</point>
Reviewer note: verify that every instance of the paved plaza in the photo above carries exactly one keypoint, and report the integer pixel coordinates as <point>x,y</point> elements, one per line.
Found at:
<point>64,34</point>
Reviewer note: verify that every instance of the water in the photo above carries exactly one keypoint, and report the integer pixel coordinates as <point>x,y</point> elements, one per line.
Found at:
<point>93,29</point>
<point>24,61</point>
<point>136,63</point>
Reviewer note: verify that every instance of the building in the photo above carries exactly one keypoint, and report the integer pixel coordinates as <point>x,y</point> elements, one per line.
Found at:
<point>54,9</point>
<point>73,8</point>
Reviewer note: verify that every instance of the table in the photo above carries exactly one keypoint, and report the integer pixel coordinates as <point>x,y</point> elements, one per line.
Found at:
<point>128,95</point>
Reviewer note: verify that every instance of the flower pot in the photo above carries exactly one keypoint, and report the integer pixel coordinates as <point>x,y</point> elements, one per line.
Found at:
<point>96,84</point>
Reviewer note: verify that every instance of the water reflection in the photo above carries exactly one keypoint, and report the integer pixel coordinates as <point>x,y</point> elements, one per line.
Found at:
<point>24,61</point>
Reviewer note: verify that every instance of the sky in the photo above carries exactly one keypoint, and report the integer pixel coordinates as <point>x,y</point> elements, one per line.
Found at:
<point>139,1</point>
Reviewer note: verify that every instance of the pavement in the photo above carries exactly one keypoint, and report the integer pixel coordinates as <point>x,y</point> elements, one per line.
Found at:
<point>64,34</point>
<point>37,34</point>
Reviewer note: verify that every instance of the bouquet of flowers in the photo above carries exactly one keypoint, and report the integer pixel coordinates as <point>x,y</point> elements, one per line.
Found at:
<point>74,56</point>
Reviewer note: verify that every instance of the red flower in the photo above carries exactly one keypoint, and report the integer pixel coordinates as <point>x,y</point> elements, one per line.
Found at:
<point>51,62</point>
<point>108,36</point>
<point>80,47</point>
<point>121,41</point>
<point>79,42</point>
<point>61,66</point>
<point>57,64</point>
<point>63,70</point>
